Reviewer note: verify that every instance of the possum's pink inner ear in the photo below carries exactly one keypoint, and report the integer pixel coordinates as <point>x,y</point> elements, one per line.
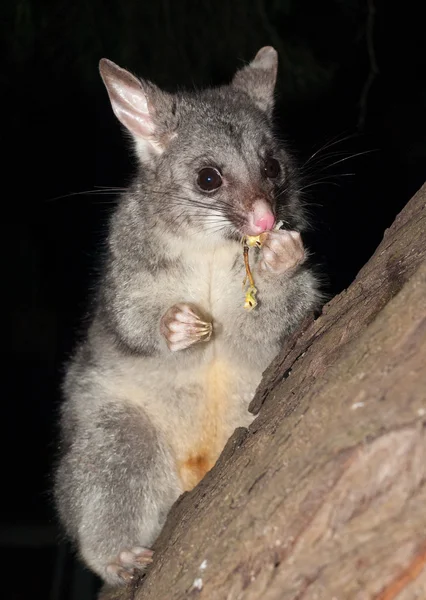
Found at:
<point>258,78</point>
<point>128,99</point>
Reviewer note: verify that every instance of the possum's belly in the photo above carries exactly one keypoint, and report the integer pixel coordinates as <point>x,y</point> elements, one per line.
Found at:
<point>224,393</point>
<point>196,407</point>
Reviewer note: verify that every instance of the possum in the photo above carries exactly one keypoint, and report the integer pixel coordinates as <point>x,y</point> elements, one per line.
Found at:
<point>171,360</point>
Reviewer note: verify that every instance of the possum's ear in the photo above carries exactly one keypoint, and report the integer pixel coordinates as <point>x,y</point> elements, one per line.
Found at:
<point>140,106</point>
<point>258,78</point>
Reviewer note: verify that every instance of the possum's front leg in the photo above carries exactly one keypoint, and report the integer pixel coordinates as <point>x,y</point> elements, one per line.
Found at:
<point>282,252</point>
<point>287,292</point>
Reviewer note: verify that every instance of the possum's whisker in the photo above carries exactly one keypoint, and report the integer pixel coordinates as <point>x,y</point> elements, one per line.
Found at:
<point>323,162</point>
<point>314,168</point>
<point>195,202</point>
<point>351,156</point>
<point>320,182</point>
<point>104,191</point>
<point>326,178</point>
<point>329,144</point>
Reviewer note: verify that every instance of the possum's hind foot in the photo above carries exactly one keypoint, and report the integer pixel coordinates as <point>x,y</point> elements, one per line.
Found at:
<point>129,562</point>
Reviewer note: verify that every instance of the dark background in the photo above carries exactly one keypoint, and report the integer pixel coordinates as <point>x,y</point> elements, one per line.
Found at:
<point>352,77</point>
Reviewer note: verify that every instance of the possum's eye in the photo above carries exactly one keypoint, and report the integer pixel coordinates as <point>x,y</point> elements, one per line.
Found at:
<point>271,168</point>
<point>209,179</point>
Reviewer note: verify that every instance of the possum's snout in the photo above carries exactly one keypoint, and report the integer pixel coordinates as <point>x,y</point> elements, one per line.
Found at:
<point>259,219</point>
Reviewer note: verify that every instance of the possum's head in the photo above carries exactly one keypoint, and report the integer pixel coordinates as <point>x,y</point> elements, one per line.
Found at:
<point>211,163</point>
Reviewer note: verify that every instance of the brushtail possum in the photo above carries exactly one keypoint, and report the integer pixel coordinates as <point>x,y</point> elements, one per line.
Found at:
<point>171,359</point>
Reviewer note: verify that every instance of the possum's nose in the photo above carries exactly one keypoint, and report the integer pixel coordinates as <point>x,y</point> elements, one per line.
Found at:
<point>265,223</point>
<point>260,218</point>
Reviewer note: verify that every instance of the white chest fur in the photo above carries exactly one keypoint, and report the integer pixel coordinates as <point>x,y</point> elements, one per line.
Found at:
<point>209,278</point>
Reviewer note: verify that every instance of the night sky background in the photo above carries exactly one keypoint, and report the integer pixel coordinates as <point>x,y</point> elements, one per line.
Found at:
<point>352,78</point>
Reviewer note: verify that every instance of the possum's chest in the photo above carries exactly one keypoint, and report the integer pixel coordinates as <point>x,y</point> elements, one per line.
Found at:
<point>213,280</point>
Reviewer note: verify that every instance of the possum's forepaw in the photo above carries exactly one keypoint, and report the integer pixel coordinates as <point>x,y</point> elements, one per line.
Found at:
<point>282,251</point>
<point>182,327</point>
<point>128,563</point>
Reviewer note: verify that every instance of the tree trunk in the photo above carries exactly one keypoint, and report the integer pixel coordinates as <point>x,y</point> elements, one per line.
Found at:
<point>324,496</point>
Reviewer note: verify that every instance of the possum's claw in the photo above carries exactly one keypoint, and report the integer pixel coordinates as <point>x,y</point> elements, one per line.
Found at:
<point>129,562</point>
<point>182,327</point>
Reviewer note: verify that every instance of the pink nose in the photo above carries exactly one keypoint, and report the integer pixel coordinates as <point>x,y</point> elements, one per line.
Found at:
<point>260,218</point>
<point>266,222</point>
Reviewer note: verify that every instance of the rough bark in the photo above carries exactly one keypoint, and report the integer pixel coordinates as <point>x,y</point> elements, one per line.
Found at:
<point>324,496</point>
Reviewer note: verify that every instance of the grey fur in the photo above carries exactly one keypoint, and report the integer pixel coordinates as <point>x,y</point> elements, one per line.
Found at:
<point>133,409</point>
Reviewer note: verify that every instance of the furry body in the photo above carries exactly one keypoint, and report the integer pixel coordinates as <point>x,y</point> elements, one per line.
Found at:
<point>141,423</point>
